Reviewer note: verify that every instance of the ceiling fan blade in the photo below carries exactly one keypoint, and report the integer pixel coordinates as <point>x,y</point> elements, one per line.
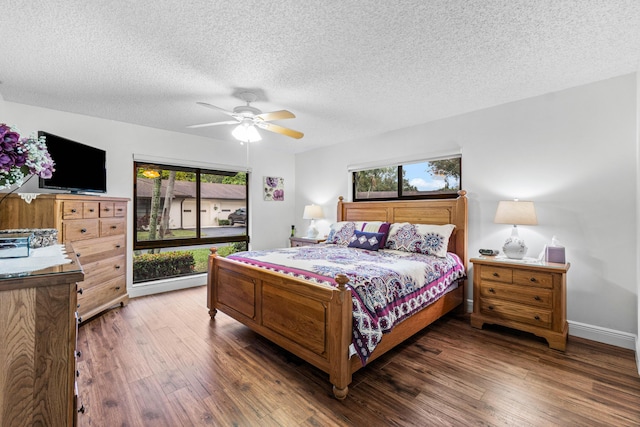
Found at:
<point>279,129</point>
<point>222,110</point>
<point>276,115</point>
<point>228,122</point>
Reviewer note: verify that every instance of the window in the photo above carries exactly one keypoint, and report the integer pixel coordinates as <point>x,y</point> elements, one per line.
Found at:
<point>180,213</point>
<point>439,178</point>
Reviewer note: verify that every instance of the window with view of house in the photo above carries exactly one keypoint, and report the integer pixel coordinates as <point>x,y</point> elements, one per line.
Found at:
<point>436,178</point>
<point>180,213</point>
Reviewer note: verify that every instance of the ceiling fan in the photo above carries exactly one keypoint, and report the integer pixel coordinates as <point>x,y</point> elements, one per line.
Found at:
<point>248,118</point>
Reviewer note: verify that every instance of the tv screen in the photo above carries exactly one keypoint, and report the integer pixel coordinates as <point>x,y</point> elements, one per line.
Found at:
<point>79,168</point>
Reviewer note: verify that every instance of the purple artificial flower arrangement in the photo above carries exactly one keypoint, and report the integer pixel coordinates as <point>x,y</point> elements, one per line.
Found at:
<point>21,157</point>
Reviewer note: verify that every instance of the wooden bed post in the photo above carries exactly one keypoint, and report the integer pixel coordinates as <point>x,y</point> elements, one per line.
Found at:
<point>341,324</point>
<point>210,281</point>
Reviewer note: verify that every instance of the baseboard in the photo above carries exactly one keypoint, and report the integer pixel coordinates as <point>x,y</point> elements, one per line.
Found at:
<point>166,285</point>
<point>596,333</point>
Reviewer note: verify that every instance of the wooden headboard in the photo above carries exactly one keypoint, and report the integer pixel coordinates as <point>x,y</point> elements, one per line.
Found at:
<point>432,211</point>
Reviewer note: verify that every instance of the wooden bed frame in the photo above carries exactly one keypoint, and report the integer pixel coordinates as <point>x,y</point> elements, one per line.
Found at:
<point>314,321</point>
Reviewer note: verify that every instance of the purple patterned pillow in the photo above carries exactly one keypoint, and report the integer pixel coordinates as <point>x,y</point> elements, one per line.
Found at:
<point>341,233</point>
<point>365,240</point>
<point>420,238</point>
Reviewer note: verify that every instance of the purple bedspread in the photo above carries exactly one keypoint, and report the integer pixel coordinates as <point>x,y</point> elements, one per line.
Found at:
<point>387,286</point>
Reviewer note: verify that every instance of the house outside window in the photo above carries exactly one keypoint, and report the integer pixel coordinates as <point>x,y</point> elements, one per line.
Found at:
<point>181,213</point>
<point>426,179</point>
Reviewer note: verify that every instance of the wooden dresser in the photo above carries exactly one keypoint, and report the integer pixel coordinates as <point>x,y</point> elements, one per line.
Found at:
<point>96,226</point>
<point>525,296</point>
<point>38,352</point>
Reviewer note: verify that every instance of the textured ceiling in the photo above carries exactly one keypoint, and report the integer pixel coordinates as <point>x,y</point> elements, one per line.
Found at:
<point>346,69</point>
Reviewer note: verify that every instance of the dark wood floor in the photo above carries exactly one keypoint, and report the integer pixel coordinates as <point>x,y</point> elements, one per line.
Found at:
<point>161,361</point>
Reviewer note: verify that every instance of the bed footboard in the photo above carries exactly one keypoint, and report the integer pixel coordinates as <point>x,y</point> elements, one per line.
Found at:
<point>310,320</point>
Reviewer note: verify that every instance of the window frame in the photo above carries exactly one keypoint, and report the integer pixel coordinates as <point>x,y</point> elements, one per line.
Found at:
<point>191,241</point>
<point>400,195</point>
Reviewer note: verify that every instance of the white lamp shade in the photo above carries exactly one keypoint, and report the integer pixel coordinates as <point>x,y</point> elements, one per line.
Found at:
<point>246,133</point>
<point>516,212</point>
<point>312,212</point>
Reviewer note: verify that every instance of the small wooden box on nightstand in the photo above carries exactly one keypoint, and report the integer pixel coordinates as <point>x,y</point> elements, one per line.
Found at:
<point>530,297</point>
<point>304,241</point>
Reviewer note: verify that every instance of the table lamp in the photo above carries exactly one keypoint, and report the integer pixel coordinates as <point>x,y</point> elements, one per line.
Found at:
<point>517,213</point>
<point>312,212</point>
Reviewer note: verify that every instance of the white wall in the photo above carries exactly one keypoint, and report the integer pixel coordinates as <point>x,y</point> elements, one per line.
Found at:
<point>638,216</point>
<point>270,222</point>
<point>572,152</point>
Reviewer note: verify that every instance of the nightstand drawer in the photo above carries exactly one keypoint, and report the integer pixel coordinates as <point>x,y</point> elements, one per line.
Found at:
<point>533,278</point>
<point>497,274</point>
<point>516,312</point>
<point>520,294</point>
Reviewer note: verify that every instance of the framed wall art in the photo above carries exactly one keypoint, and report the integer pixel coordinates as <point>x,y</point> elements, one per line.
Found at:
<point>273,188</point>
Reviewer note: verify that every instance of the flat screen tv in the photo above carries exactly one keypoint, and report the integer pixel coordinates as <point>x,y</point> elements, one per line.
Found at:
<point>79,168</point>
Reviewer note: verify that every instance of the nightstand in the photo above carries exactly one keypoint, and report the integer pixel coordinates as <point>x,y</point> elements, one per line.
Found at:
<point>528,296</point>
<point>304,241</point>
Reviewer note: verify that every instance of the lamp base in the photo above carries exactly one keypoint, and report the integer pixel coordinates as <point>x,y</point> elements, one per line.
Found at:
<point>312,232</point>
<point>514,248</point>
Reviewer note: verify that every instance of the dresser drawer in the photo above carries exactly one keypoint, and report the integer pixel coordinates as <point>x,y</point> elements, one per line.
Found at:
<point>80,210</point>
<point>112,226</point>
<point>101,271</point>
<point>120,209</point>
<point>80,229</point>
<point>106,210</point>
<point>521,294</point>
<point>96,295</point>
<point>89,251</point>
<point>516,312</point>
<point>497,274</point>
<point>533,278</point>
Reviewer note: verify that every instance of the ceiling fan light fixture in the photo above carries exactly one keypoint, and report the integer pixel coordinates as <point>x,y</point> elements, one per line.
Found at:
<point>246,132</point>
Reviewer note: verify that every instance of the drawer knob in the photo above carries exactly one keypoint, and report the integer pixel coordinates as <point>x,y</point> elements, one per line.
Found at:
<point>80,291</point>
<point>84,230</point>
<point>81,409</point>
<point>77,373</point>
<point>78,353</point>
<point>73,211</point>
<point>91,210</point>
<point>536,317</point>
<point>496,275</point>
<point>537,298</point>
<point>79,318</point>
<point>107,209</point>
<point>117,288</point>
<point>113,227</point>
<point>78,254</point>
<point>492,290</point>
<point>117,267</point>
<point>490,307</point>
<point>117,246</point>
<point>533,279</point>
